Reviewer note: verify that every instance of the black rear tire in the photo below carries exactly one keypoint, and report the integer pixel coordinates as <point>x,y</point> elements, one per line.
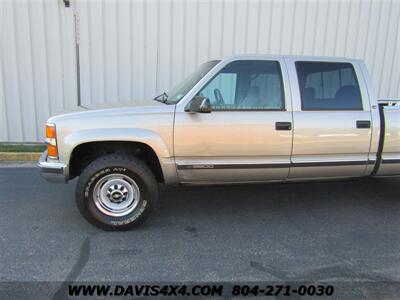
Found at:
<point>129,167</point>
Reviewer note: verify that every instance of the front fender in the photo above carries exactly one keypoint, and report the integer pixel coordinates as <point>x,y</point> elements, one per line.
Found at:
<point>148,137</point>
<point>145,136</point>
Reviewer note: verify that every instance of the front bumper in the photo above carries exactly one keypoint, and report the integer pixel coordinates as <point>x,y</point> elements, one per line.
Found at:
<point>52,171</point>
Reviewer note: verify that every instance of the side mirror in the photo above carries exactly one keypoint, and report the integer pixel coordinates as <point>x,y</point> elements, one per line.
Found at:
<point>199,104</point>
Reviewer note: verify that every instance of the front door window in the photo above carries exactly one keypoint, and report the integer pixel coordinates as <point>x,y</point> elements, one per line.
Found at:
<point>246,85</point>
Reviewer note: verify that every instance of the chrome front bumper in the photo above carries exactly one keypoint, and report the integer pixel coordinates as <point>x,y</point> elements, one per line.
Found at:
<point>52,171</point>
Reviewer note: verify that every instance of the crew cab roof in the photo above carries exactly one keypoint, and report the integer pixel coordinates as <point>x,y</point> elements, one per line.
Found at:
<point>293,57</point>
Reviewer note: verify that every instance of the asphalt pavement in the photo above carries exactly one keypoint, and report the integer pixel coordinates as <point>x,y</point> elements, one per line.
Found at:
<point>347,230</point>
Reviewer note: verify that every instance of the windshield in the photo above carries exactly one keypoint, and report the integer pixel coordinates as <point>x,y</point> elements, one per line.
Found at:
<point>180,90</point>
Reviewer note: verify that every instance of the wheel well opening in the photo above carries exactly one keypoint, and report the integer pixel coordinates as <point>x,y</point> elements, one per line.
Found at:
<point>84,154</point>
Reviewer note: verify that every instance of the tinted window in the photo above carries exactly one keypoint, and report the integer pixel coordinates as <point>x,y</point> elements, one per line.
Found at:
<point>328,86</point>
<point>242,85</point>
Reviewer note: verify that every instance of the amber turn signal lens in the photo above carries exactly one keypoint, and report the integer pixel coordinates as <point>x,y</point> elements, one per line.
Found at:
<point>50,132</point>
<point>52,151</point>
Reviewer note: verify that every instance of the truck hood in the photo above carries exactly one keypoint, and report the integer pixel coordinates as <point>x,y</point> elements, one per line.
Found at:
<point>112,113</point>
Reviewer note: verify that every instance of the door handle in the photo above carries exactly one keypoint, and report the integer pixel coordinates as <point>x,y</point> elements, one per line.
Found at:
<point>283,126</point>
<point>363,124</point>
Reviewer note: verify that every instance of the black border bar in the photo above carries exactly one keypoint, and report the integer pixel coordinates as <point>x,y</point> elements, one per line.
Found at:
<point>279,165</point>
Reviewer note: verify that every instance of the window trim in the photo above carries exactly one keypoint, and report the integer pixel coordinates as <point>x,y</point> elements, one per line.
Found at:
<point>251,110</point>
<point>329,109</point>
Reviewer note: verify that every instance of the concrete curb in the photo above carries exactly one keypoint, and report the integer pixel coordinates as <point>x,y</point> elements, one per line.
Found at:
<point>19,156</point>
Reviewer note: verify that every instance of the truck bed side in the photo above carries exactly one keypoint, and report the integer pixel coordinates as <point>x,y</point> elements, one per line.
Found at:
<point>388,160</point>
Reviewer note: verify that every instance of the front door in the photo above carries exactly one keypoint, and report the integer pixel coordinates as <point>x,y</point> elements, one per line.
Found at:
<point>248,134</point>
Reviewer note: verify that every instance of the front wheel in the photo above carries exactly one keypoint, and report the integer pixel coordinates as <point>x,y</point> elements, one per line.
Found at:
<point>116,192</point>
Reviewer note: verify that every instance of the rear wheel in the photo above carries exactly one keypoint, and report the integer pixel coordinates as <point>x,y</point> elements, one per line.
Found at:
<point>116,192</point>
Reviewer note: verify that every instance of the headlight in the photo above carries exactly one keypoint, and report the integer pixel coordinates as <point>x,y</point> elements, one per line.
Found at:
<point>51,141</point>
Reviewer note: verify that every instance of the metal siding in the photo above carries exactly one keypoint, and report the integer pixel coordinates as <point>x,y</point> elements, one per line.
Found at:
<point>132,50</point>
<point>10,74</point>
<point>123,36</point>
<point>38,68</point>
<point>138,45</point>
<point>3,108</point>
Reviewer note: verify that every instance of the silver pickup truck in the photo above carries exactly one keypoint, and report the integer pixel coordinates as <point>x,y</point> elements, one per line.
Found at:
<point>243,119</point>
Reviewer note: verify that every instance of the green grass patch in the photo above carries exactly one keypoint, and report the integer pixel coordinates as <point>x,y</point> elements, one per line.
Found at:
<point>25,147</point>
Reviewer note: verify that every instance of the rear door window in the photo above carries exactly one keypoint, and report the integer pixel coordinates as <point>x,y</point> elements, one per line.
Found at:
<point>328,86</point>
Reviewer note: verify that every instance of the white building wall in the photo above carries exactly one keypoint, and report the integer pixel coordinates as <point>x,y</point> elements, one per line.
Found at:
<point>38,66</point>
<point>129,51</point>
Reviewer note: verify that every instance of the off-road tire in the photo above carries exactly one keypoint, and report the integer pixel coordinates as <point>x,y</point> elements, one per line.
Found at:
<point>106,165</point>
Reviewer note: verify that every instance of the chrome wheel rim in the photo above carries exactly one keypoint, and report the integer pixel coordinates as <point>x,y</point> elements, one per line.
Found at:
<point>116,195</point>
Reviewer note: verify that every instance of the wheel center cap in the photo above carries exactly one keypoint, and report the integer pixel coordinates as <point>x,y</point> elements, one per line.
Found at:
<point>116,197</point>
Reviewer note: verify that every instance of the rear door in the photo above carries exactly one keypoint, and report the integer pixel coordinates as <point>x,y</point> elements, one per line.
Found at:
<point>332,119</point>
